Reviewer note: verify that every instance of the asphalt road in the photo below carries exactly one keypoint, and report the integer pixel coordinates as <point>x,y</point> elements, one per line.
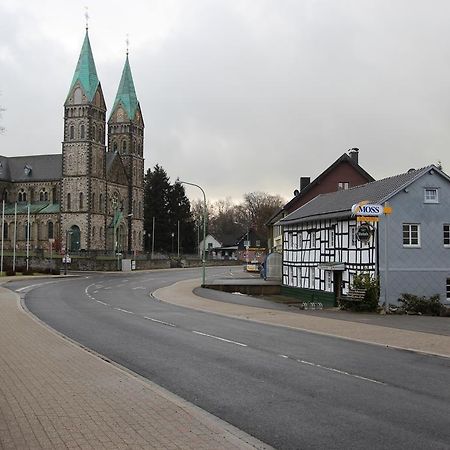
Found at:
<point>288,388</point>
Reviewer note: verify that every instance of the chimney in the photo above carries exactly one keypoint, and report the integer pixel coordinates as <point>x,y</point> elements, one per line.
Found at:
<point>304,181</point>
<point>354,153</point>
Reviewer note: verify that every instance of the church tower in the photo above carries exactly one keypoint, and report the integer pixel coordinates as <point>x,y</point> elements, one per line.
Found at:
<point>83,186</point>
<point>126,137</point>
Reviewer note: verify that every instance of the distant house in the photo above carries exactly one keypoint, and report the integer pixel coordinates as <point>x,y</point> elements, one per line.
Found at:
<point>210,243</point>
<point>408,251</point>
<point>252,246</point>
<point>343,174</point>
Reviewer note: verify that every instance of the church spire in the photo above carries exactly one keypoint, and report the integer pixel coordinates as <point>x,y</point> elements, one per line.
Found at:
<point>85,71</point>
<point>126,94</point>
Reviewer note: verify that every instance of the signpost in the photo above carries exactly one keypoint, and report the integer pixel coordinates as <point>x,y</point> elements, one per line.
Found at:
<point>366,213</point>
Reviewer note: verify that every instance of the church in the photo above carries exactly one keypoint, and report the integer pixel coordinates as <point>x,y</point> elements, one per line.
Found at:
<point>91,196</point>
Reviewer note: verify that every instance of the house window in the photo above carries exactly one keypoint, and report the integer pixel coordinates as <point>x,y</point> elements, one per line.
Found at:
<point>446,235</point>
<point>312,238</point>
<point>328,280</point>
<point>448,288</point>
<point>343,185</point>
<point>82,131</point>
<point>331,234</point>
<point>5,230</point>
<point>353,236</point>
<point>50,230</point>
<point>351,279</point>
<point>312,277</point>
<point>430,195</point>
<point>411,235</point>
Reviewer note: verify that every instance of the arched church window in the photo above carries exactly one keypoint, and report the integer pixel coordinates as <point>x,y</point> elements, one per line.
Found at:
<point>81,200</point>
<point>93,201</point>
<point>124,146</point>
<point>94,132</point>
<point>100,203</point>
<point>54,195</point>
<point>93,232</point>
<point>68,202</point>
<point>99,137</point>
<point>77,96</point>
<point>115,146</point>
<point>5,230</point>
<point>5,195</point>
<point>22,196</point>
<point>82,131</point>
<point>50,230</point>
<point>71,132</point>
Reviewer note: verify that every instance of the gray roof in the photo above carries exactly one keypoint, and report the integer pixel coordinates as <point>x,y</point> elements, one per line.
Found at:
<point>339,204</point>
<point>31,168</point>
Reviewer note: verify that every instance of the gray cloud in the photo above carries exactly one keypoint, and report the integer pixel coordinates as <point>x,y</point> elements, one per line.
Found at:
<point>241,96</point>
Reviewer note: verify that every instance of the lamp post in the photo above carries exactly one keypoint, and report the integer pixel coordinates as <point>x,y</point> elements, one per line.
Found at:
<point>204,230</point>
<point>65,251</point>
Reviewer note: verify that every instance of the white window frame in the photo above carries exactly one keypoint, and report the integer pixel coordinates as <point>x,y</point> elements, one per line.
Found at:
<point>312,277</point>
<point>343,185</point>
<point>446,234</point>
<point>428,198</point>
<point>331,237</point>
<point>328,280</point>
<point>410,226</point>
<point>312,239</point>
<point>352,236</point>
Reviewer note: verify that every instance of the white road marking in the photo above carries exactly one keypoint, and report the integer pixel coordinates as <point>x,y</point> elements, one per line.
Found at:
<point>284,356</point>
<point>220,339</point>
<point>342,372</point>
<point>160,321</point>
<point>103,303</point>
<point>139,287</point>
<point>124,310</point>
<point>33,285</point>
<point>107,288</point>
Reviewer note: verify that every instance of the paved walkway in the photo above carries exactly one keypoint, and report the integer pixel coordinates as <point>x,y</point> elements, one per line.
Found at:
<point>182,294</point>
<point>54,394</point>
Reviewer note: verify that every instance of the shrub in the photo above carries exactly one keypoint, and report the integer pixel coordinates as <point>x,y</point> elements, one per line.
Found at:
<point>10,273</point>
<point>370,302</point>
<point>431,306</point>
<point>27,272</point>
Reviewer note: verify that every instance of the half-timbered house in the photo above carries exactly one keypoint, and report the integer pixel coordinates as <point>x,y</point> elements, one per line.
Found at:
<point>408,251</point>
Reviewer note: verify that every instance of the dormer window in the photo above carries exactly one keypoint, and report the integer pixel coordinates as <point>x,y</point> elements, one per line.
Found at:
<point>431,195</point>
<point>342,185</point>
<point>27,170</point>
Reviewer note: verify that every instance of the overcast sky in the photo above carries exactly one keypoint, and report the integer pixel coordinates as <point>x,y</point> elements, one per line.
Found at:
<point>241,95</point>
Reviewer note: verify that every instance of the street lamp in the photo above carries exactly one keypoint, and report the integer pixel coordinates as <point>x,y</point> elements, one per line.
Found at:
<point>204,230</point>
<point>65,251</point>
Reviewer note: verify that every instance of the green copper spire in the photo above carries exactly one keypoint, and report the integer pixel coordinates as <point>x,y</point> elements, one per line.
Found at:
<point>126,94</point>
<point>85,72</point>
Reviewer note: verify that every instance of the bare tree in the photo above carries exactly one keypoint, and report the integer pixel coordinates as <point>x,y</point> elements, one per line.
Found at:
<point>257,208</point>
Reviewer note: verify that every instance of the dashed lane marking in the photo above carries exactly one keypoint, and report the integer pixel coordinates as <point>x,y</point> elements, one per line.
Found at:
<point>220,339</point>
<point>160,321</point>
<point>124,310</point>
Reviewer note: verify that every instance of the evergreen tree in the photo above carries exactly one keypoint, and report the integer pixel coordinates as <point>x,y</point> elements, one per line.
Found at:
<point>156,205</point>
<point>180,212</point>
<point>169,205</point>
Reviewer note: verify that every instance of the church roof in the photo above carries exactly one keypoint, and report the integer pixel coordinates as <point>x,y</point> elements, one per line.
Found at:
<point>30,168</point>
<point>85,71</point>
<point>126,94</point>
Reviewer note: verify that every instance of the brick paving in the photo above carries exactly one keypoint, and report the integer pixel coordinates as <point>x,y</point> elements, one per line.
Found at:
<point>54,394</point>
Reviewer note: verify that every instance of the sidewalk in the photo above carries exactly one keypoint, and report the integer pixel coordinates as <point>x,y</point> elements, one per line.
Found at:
<point>54,394</point>
<point>181,294</point>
